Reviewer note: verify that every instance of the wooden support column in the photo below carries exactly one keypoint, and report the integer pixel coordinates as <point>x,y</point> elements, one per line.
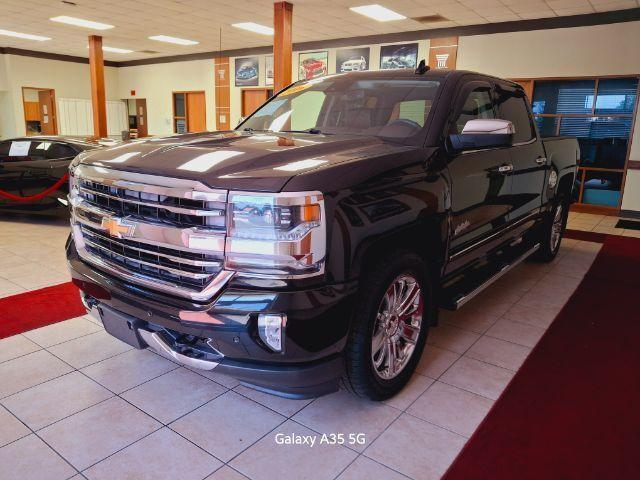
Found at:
<point>98,98</point>
<point>223,92</point>
<point>282,44</point>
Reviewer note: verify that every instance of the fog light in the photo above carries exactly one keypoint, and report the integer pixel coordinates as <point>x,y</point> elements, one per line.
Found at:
<point>270,328</point>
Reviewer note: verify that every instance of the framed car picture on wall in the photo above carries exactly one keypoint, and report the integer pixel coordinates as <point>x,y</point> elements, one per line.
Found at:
<point>312,65</point>
<point>352,59</point>
<point>268,70</point>
<point>247,70</point>
<point>399,56</point>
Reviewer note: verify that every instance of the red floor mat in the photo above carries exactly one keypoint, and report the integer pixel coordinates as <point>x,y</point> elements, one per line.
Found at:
<point>38,308</point>
<point>573,409</point>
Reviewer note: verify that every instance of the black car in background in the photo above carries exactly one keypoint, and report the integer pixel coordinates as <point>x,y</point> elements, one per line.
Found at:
<point>32,165</point>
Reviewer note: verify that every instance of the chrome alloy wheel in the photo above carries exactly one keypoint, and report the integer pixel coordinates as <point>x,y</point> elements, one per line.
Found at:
<point>397,327</point>
<point>556,228</point>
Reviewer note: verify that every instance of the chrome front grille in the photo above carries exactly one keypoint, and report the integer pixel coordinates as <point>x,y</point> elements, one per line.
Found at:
<point>186,269</point>
<point>152,206</point>
<point>169,234</point>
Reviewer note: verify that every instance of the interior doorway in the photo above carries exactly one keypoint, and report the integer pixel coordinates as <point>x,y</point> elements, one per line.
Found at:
<point>39,111</point>
<point>137,116</point>
<point>252,98</point>
<point>189,112</point>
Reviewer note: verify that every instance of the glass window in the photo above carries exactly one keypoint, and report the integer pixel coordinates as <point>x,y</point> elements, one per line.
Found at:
<point>563,96</point>
<point>60,150</point>
<point>547,126</point>
<point>37,150</point>
<point>392,108</point>
<point>181,126</point>
<point>616,95</point>
<point>306,110</point>
<point>4,149</point>
<point>477,105</point>
<point>179,107</point>
<point>603,140</point>
<point>513,107</point>
<point>602,188</point>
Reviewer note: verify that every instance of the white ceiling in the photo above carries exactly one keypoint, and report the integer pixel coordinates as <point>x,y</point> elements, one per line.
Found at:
<point>201,20</point>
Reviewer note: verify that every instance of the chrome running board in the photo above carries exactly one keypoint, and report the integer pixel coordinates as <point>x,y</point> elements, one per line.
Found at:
<point>467,297</point>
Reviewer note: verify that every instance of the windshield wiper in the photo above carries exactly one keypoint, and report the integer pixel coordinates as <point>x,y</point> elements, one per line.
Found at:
<point>314,131</point>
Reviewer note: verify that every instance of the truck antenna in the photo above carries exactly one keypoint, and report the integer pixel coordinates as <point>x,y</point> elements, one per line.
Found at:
<point>422,67</point>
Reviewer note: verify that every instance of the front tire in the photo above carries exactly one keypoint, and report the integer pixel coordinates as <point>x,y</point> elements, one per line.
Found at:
<point>551,233</point>
<point>390,326</point>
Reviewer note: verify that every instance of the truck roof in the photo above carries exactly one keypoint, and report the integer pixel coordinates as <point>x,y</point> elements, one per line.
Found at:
<point>432,74</point>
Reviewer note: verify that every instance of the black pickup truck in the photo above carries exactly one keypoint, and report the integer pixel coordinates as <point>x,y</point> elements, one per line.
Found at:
<point>316,241</point>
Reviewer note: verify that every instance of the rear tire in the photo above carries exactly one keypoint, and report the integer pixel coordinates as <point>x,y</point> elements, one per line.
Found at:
<point>550,236</point>
<point>389,327</point>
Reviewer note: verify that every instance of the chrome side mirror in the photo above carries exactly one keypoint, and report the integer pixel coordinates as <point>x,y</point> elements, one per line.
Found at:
<point>483,133</point>
<point>488,126</point>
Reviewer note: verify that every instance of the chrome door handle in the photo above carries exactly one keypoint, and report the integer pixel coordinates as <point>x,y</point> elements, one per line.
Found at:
<point>505,168</point>
<point>541,160</point>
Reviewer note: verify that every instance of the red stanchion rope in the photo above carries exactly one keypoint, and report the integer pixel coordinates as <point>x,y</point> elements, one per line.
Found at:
<point>37,196</point>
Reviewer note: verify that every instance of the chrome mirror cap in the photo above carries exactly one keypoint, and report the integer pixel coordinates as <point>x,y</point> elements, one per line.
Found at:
<point>489,126</point>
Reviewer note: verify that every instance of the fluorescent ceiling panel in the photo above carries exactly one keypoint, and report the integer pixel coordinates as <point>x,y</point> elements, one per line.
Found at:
<point>80,22</point>
<point>378,12</point>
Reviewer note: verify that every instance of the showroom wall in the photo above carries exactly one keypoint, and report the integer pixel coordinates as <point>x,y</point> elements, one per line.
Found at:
<point>374,63</point>
<point>157,82</point>
<point>68,79</point>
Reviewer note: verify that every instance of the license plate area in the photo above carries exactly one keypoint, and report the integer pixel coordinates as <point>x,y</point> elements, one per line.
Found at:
<point>121,326</point>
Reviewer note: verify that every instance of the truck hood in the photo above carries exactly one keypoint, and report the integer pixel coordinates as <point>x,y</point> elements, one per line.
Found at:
<point>238,160</point>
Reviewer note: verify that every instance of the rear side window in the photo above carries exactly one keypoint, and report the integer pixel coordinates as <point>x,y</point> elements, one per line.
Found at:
<point>477,105</point>
<point>512,106</point>
<point>60,150</point>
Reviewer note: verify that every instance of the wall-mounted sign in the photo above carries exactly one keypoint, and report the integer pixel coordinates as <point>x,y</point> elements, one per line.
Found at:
<point>443,53</point>
<point>268,70</point>
<point>247,72</point>
<point>312,65</point>
<point>399,56</point>
<point>352,59</point>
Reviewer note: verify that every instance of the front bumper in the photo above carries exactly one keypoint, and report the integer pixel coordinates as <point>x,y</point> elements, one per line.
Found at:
<point>316,330</point>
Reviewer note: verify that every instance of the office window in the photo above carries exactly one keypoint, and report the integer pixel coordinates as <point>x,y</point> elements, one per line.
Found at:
<point>599,112</point>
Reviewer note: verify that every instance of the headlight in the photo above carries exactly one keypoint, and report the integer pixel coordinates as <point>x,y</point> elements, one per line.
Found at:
<point>281,235</point>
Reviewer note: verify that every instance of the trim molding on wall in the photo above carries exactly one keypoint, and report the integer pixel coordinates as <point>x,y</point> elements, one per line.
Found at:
<point>633,165</point>
<point>589,19</point>
<point>51,56</point>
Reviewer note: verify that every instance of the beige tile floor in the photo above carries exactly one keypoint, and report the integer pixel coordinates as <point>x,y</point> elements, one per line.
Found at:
<point>76,402</point>
<point>599,223</point>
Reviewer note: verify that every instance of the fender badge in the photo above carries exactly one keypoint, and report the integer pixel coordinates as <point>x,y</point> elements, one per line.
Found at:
<point>118,228</point>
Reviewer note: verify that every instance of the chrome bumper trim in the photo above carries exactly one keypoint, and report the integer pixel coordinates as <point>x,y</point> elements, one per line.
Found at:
<point>156,343</point>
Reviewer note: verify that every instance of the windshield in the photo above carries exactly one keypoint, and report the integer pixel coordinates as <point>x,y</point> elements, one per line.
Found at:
<point>392,108</point>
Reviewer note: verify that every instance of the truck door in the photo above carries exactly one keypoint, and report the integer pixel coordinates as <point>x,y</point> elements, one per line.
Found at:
<point>527,153</point>
<point>480,190</point>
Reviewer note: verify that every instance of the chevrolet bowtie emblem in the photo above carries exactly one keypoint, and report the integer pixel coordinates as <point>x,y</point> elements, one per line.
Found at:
<point>117,227</point>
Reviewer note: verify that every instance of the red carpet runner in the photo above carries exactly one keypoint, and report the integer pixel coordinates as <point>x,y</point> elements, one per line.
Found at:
<point>573,409</point>
<point>38,308</point>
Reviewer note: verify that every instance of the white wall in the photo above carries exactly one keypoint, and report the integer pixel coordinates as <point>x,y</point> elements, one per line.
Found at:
<point>580,51</point>
<point>157,82</point>
<point>68,79</point>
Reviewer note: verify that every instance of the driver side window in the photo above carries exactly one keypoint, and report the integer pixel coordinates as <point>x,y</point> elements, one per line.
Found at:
<point>477,105</point>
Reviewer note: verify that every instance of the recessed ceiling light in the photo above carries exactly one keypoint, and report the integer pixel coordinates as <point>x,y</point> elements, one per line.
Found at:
<point>378,12</point>
<point>254,27</point>
<point>177,41</point>
<point>79,22</point>
<point>26,36</point>
<point>114,49</point>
